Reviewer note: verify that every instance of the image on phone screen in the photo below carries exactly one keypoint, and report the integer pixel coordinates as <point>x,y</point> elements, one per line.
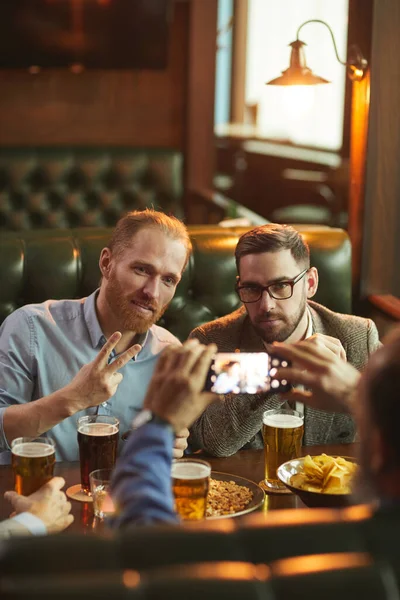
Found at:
<point>245,373</point>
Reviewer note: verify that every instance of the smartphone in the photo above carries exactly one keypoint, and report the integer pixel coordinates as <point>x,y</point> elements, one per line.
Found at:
<point>246,373</point>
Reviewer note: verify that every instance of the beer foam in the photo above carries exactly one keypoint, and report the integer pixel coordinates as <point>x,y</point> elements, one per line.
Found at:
<point>32,450</point>
<point>282,421</point>
<point>98,429</point>
<point>190,470</point>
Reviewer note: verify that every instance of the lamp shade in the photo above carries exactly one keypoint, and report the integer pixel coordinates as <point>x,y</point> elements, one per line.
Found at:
<point>298,73</point>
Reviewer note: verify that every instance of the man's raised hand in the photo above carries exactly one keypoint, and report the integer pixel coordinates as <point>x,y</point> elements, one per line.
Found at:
<point>98,381</point>
<point>176,390</point>
<point>330,380</point>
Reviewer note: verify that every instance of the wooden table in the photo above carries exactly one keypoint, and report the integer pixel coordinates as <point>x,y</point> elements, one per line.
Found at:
<point>246,463</point>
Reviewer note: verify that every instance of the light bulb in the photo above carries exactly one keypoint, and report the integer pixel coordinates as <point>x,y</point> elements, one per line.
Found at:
<point>297,100</point>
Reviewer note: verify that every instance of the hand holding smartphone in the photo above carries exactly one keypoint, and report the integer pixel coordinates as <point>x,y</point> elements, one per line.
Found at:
<point>246,373</point>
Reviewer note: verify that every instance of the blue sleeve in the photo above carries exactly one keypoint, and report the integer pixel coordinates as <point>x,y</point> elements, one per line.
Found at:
<point>141,484</point>
<point>16,365</point>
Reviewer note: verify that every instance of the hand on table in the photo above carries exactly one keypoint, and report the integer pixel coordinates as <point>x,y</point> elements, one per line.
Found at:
<point>98,381</point>
<point>48,503</point>
<point>175,392</point>
<point>330,380</point>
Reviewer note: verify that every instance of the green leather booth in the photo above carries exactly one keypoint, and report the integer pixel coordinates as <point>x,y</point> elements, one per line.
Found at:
<point>85,187</point>
<point>41,264</point>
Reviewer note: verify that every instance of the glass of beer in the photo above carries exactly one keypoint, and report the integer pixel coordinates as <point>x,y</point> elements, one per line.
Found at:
<point>190,482</point>
<point>98,445</point>
<point>32,463</point>
<point>282,433</point>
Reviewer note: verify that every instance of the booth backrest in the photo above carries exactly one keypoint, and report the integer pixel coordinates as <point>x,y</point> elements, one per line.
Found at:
<point>302,554</point>
<point>38,265</point>
<point>77,187</point>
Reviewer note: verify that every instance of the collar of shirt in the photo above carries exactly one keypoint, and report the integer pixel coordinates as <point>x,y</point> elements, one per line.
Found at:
<point>309,330</point>
<point>97,336</point>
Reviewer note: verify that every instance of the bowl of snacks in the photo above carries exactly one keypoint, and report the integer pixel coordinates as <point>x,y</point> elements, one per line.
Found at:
<point>320,481</point>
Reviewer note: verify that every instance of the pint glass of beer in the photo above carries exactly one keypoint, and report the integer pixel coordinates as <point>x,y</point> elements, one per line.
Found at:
<point>98,445</point>
<point>190,481</point>
<point>32,463</point>
<point>282,433</point>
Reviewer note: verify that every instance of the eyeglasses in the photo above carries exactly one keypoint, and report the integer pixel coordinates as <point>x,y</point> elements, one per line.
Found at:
<point>282,290</point>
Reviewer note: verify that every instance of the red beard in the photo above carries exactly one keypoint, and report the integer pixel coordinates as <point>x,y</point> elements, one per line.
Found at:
<point>124,310</point>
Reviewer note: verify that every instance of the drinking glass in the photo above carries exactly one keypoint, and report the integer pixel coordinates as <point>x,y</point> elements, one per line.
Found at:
<point>98,445</point>
<point>282,432</point>
<point>99,489</point>
<point>190,483</point>
<point>32,462</point>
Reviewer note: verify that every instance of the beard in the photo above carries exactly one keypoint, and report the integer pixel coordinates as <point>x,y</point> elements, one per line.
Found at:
<point>281,331</point>
<point>124,310</point>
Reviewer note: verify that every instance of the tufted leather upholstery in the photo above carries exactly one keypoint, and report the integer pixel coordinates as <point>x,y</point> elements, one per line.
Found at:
<point>58,188</point>
<point>38,265</point>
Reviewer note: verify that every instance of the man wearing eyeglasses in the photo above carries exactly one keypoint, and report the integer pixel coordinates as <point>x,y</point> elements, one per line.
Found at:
<point>275,284</point>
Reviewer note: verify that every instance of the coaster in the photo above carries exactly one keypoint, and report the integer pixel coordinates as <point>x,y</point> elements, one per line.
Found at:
<point>75,492</point>
<point>270,490</point>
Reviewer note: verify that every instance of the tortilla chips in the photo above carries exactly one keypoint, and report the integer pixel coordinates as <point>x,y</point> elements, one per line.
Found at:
<point>325,475</point>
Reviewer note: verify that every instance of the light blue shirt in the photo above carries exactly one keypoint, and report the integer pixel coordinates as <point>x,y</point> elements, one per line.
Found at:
<point>43,346</point>
<point>33,524</point>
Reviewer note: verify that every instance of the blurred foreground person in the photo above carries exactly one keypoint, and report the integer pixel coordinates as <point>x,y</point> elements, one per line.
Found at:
<point>373,398</point>
<point>44,511</point>
<point>141,486</point>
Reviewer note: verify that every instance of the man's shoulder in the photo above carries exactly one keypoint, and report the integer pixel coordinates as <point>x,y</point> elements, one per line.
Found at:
<point>54,308</point>
<point>225,328</point>
<point>50,311</point>
<point>359,336</point>
<point>162,337</point>
<point>337,321</point>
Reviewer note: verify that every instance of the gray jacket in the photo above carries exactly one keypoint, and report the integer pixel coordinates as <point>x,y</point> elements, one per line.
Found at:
<point>228,426</point>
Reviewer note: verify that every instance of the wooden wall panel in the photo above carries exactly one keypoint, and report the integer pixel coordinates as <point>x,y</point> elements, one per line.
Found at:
<point>139,108</point>
<point>381,248</point>
<point>200,151</point>
<point>359,135</point>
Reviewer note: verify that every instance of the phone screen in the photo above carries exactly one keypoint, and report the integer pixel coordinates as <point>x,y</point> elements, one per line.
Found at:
<point>245,373</point>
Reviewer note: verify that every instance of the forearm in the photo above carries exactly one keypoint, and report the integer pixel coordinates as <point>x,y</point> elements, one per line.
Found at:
<point>34,418</point>
<point>347,402</point>
<point>225,427</point>
<point>141,485</point>
<point>11,528</point>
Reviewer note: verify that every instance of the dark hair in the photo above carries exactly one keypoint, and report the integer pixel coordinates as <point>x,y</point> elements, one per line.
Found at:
<point>273,238</point>
<point>383,394</point>
<point>136,220</point>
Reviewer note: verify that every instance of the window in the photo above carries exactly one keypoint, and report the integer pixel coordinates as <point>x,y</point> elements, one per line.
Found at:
<point>224,58</point>
<point>310,115</point>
